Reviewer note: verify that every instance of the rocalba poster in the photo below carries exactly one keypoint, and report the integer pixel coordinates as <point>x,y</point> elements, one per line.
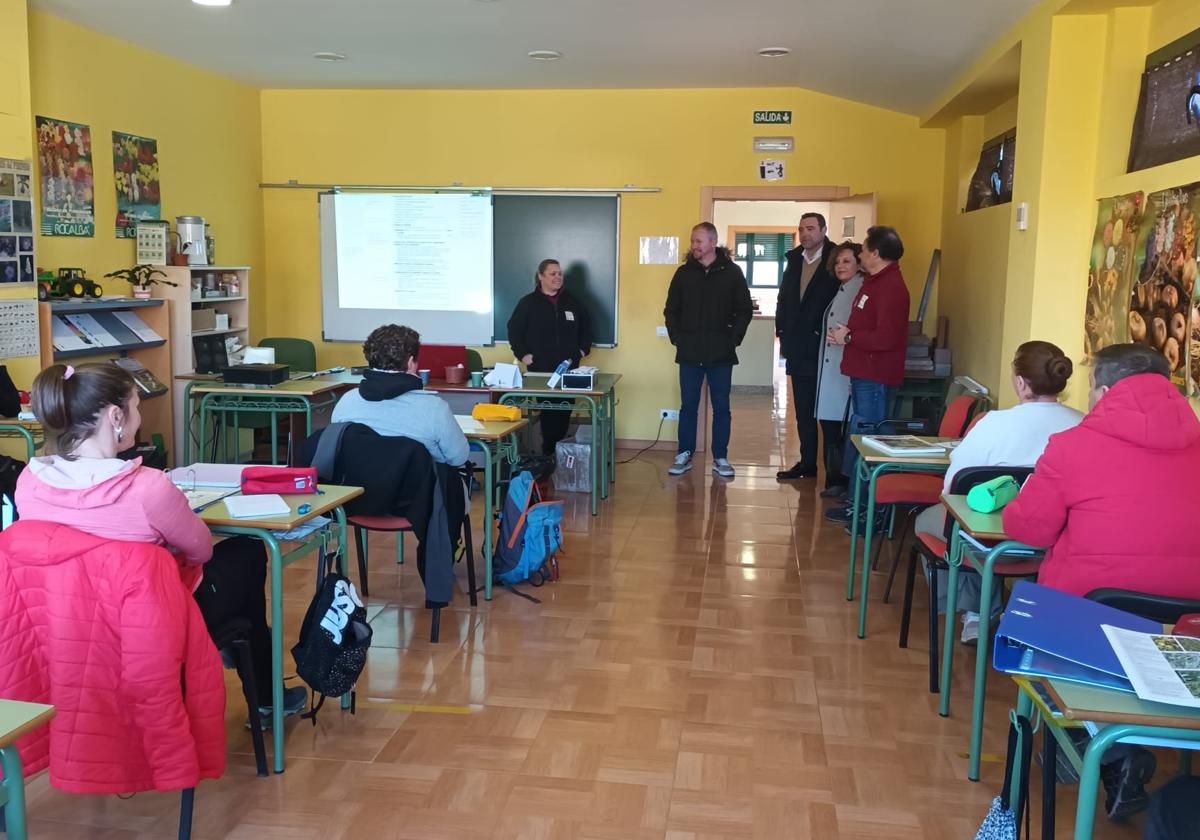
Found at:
<point>68,189</point>
<point>135,174</point>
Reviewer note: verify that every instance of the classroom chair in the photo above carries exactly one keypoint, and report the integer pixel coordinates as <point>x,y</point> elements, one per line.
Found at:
<point>474,361</point>
<point>233,638</point>
<point>1161,608</point>
<point>934,549</point>
<point>299,354</point>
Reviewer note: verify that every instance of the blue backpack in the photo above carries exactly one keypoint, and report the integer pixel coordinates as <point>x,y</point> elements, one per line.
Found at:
<point>530,535</point>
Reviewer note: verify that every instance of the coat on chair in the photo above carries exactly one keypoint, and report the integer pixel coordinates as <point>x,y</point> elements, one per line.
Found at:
<point>107,633</point>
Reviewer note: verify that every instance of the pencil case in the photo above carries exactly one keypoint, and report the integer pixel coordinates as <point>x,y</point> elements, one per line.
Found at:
<point>483,412</point>
<point>990,496</point>
<point>282,480</point>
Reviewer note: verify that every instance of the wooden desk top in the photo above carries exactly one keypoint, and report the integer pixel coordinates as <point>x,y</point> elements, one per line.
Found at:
<point>877,456</point>
<point>489,431</point>
<point>332,496</point>
<point>981,526</point>
<point>1086,702</point>
<point>17,718</point>
<point>31,425</point>
<point>291,388</point>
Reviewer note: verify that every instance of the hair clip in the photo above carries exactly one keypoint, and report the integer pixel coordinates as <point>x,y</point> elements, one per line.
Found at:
<point>70,372</point>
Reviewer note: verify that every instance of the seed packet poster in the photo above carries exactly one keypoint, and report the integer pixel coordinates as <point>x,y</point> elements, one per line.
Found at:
<point>17,263</point>
<point>1111,271</point>
<point>68,189</point>
<point>1160,305</point>
<point>135,173</point>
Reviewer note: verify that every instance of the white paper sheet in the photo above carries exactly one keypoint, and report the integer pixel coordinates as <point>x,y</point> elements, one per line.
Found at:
<point>1162,668</point>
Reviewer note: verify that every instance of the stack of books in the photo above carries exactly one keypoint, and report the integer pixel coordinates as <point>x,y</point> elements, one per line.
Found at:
<point>918,358</point>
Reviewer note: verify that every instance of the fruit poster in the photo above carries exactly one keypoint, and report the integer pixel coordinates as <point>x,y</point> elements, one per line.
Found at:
<point>135,173</point>
<point>1111,272</point>
<point>68,190</point>
<point>1161,305</point>
<point>17,264</point>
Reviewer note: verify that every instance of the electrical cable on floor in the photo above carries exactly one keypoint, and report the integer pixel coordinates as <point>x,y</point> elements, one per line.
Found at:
<point>642,452</point>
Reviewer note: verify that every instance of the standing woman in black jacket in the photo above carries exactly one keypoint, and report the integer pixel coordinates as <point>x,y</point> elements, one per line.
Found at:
<point>547,326</point>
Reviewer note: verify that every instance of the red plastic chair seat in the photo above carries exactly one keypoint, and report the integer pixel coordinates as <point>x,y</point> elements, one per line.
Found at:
<point>908,488</point>
<point>380,523</point>
<point>934,545</point>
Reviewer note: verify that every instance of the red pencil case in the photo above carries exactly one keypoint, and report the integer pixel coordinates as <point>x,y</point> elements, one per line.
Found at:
<point>283,480</point>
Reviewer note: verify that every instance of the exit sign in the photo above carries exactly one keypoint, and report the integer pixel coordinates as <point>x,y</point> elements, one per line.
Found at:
<point>773,117</point>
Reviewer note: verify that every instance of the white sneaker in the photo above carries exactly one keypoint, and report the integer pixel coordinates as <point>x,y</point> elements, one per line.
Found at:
<point>723,468</point>
<point>683,463</point>
<point>970,628</point>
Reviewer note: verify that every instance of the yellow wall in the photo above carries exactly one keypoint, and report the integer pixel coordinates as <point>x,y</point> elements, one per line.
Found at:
<point>207,128</point>
<point>679,140</point>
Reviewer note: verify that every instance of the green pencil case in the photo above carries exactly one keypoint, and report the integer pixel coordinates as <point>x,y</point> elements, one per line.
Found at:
<point>990,496</point>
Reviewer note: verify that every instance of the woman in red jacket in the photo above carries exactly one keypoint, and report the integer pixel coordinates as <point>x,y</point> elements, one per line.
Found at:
<point>90,414</point>
<point>875,340</point>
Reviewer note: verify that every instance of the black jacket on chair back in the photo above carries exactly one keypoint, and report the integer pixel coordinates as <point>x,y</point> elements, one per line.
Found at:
<point>799,319</point>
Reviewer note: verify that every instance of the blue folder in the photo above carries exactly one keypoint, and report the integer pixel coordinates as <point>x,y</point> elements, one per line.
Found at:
<point>1048,633</point>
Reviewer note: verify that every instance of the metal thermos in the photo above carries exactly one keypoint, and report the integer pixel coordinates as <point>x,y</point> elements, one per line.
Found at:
<point>190,232</point>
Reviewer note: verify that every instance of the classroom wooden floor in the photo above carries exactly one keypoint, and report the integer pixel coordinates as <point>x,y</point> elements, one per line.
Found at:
<point>693,676</point>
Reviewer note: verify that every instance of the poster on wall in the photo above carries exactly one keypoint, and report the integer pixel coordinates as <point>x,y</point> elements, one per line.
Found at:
<point>17,263</point>
<point>1111,272</point>
<point>1160,306</point>
<point>135,173</point>
<point>65,166</point>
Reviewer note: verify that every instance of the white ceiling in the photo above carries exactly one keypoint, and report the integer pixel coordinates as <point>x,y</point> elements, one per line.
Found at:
<point>898,54</point>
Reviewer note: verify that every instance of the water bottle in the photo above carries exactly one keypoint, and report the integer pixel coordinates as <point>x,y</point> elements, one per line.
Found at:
<point>556,377</point>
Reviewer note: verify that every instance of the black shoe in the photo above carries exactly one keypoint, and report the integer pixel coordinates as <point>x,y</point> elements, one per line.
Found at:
<point>1125,784</point>
<point>840,514</point>
<point>880,524</point>
<point>798,470</point>
<point>837,491</point>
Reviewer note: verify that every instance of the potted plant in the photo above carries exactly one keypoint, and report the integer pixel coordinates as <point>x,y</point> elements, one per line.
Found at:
<point>141,277</point>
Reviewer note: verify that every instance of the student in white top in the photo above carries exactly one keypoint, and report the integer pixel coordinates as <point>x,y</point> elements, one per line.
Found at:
<point>1012,437</point>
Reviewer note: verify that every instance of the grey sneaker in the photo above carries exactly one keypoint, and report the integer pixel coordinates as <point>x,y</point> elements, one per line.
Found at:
<point>295,698</point>
<point>683,463</point>
<point>723,468</point>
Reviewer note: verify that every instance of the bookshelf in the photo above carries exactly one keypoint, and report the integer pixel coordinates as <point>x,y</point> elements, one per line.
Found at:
<point>157,410</point>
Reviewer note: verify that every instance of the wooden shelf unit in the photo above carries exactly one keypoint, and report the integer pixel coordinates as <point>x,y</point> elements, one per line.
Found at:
<point>157,414</point>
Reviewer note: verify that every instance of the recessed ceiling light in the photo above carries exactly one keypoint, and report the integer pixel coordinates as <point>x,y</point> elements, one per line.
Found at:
<point>213,2</point>
<point>773,52</point>
<point>329,56</point>
<point>545,55</point>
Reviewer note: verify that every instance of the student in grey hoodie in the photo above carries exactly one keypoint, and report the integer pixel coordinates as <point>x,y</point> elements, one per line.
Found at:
<point>391,401</point>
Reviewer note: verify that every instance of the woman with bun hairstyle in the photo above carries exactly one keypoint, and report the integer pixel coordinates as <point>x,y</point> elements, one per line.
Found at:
<point>90,415</point>
<point>1011,437</point>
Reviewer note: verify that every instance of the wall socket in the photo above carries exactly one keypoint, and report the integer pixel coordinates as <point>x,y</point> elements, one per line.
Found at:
<point>668,414</point>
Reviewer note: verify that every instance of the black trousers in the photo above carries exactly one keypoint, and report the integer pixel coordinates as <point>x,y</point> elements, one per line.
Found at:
<point>1175,810</point>
<point>804,395</point>
<point>554,425</point>
<point>234,586</point>
<point>833,434</point>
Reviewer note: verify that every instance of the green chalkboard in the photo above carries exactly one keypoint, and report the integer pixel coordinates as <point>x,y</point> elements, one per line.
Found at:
<point>578,231</point>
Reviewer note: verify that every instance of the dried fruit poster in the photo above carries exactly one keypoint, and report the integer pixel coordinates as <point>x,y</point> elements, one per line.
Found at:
<point>135,173</point>
<point>65,163</point>
<point>1161,306</point>
<point>1111,272</point>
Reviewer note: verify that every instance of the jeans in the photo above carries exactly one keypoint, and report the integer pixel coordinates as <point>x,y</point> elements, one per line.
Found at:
<point>804,395</point>
<point>869,403</point>
<point>720,379</point>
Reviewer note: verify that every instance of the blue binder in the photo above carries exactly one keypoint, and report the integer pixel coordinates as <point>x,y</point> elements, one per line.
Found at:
<point>1048,633</point>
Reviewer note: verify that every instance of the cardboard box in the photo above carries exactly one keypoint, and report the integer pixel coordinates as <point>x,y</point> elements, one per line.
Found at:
<point>204,319</point>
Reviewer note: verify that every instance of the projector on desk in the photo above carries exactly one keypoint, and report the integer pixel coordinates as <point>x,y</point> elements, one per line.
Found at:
<point>255,374</point>
<point>579,379</point>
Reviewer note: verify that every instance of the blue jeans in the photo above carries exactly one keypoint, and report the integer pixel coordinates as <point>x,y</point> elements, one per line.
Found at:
<point>691,378</point>
<point>869,403</point>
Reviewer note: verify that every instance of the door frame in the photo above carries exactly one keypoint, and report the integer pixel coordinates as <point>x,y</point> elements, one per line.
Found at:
<point>709,195</point>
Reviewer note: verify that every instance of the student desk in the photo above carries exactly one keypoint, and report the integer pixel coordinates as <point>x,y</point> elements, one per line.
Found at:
<point>1064,705</point>
<point>331,500</point>
<point>31,430</point>
<point>601,403</point>
<point>987,528</point>
<point>497,440</point>
<point>872,464</point>
<point>293,397</point>
<point>16,719</point>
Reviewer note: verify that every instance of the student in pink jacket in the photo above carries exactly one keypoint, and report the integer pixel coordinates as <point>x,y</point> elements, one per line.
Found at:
<point>90,414</point>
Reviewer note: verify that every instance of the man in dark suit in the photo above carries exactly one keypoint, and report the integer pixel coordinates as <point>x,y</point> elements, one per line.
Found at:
<point>807,287</point>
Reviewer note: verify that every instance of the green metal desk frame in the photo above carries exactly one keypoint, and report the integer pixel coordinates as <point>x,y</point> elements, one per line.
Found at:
<point>1089,765</point>
<point>957,550</point>
<point>16,430</point>
<point>279,560</point>
<point>12,793</point>
<point>496,454</point>
<point>869,474</point>
<point>602,413</point>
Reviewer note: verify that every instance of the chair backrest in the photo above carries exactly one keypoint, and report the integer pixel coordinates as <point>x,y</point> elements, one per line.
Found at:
<point>958,412</point>
<point>974,422</point>
<point>968,477</point>
<point>299,354</point>
<point>1160,608</point>
<point>474,361</point>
